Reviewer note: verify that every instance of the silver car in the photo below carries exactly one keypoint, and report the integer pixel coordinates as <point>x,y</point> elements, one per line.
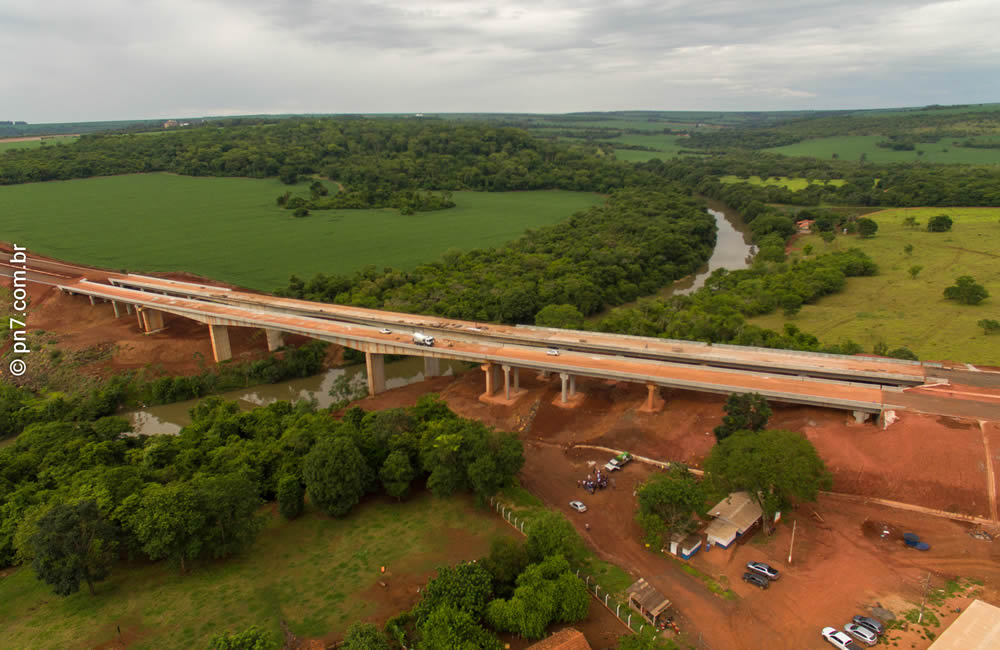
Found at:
<point>861,633</point>
<point>765,570</point>
<point>579,506</point>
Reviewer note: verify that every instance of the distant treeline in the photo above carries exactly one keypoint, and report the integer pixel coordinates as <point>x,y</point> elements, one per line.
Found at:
<point>639,241</point>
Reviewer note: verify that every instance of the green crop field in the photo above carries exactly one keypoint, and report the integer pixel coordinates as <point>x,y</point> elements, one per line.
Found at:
<point>316,573</point>
<point>899,310</point>
<point>850,147</point>
<point>794,184</point>
<point>6,145</point>
<point>230,228</point>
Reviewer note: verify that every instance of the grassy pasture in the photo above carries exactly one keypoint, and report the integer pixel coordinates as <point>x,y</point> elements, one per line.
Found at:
<point>850,147</point>
<point>900,310</point>
<point>794,184</point>
<point>313,572</point>
<point>231,229</point>
<point>6,145</point>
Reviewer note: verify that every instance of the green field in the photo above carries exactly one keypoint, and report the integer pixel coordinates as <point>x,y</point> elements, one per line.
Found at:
<point>850,147</point>
<point>313,573</point>
<point>230,228</point>
<point>894,308</point>
<point>33,144</point>
<point>794,184</point>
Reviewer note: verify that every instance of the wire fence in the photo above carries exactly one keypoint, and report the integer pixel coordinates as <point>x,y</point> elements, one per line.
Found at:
<point>628,617</point>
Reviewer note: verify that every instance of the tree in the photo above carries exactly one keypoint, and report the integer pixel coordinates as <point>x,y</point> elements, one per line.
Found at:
<point>914,271</point>
<point>966,291</point>
<point>940,223</point>
<point>73,544</point>
<point>773,466</point>
<point>828,236</point>
<point>552,534</point>
<point>168,521</point>
<point>546,592</point>
<point>867,227</point>
<point>448,628</point>
<point>908,249</point>
<point>291,496</point>
<point>666,502</point>
<point>807,249</point>
<point>506,561</point>
<point>911,222</point>
<point>364,636</point>
<point>744,412</point>
<point>229,504</point>
<point>334,475</point>
<point>561,316</point>
<point>252,638</point>
<point>466,587</point>
<point>397,472</point>
<point>989,326</point>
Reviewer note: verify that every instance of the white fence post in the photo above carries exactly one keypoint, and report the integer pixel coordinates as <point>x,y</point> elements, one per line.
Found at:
<point>606,599</point>
<point>596,587</point>
<point>629,621</point>
<point>618,610</point>
<point>522,525</point>
<point>588,581</point>
<point>640,628</point>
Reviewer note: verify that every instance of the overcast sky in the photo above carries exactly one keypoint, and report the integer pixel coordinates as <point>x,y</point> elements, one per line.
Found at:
<point>67,60</point>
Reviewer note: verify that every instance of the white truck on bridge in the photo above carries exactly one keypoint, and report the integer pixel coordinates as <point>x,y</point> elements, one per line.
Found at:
<point>423,339</point>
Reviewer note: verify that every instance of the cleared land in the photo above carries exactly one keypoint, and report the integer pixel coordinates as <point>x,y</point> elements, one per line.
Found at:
<point>794,184</point>
<point>230,228</point>
<point>316,573</point>
<point>850,147</point>
<point>900,310</point>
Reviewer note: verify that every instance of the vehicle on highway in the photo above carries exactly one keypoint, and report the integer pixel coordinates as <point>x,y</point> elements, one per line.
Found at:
<point>861,633</point>
<point>579,506</point>
<point>838,639</point>
<point>385,330</point>
<point>869,622</point>
<point>552,352</point>
<point>422,339</point>
<point>756,580</point>
<point>618,462</point>
<point>765,570</point>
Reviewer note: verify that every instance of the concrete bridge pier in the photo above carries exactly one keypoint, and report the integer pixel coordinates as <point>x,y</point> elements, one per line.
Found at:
<point>150,320</point>
<point>375,364</point>
<point>654,402</point>
<point>506,381</point>
<point>128,308</point>
<point>114,305</point>
<point>275,339</point>
<point>861,416</point>
<point>220,342</point>
<point>92,303</point>
<point>491,378</point>
<point>568,381</point>
<point>432,367</point>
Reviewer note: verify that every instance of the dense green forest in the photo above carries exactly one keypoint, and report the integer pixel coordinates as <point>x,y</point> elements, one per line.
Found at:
<point>640,240</point>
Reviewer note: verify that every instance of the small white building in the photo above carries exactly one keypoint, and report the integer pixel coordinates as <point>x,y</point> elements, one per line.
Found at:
<point>685,545</point>
<point>733,516</point>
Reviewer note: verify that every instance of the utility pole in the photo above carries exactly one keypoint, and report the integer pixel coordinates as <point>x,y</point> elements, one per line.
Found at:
<point>792,543</point>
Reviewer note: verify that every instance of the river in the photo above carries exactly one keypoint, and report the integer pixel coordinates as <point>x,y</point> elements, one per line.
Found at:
<point>732,251</point>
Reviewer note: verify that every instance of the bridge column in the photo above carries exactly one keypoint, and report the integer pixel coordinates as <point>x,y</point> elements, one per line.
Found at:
<point>220,342</point>
<point>566,378</point>
<point>375,363</point>
<point>491,378</point>
<point>432,367</point>
<point>154,320</point>
<point>114,305</point>
<point>92,303</point>
<point>506,382</point>
<point>138,316</point>
<point>128,308</point>
<point>653,400</point>
<point>275,339</point>
<point>860,416</point>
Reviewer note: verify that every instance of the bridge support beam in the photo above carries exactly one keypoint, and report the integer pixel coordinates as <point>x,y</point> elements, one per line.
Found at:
<point>861,416</point>
<point>568,382</point>
<point>375,364</point>
<point>491,378</point>
<point>128,308</point>
<point>114,305</point>
<point>506,381</point>
<point>150,320</point>
<point>654,402</point>
<point>275,339</point>
<point>92,303</point>
<point>220,342</point>
<point>432,367</point>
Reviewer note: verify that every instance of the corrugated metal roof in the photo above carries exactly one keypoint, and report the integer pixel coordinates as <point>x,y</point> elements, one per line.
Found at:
<point>648,597</point>
<point>566,639</point>
<point>977,628</point>
<point>738,509</point>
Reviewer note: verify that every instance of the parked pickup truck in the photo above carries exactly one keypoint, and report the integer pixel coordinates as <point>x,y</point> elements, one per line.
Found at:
<point>619,461</point>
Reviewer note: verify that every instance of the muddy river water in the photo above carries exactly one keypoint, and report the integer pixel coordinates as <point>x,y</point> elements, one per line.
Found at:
<point>732,251</point>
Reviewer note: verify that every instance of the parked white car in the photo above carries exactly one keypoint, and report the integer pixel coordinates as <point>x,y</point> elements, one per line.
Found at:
<point>838,639</point>
<point>552,352</point>
<point>385,330</point>
<point>579,506</point>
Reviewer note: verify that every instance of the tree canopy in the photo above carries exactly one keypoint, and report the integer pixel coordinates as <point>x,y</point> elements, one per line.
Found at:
<point>966,291</point>
<point>666,503</point>
<point>744,412</point>
<point>73,544</point>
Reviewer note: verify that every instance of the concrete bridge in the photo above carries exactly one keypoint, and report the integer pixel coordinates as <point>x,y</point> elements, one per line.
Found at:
<point>502,352</point>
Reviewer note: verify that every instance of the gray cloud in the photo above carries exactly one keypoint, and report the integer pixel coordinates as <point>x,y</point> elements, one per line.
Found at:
<point>107,59</point>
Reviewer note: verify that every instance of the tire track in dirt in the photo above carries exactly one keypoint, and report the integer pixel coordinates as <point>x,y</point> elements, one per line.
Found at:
<point>991,484</point>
